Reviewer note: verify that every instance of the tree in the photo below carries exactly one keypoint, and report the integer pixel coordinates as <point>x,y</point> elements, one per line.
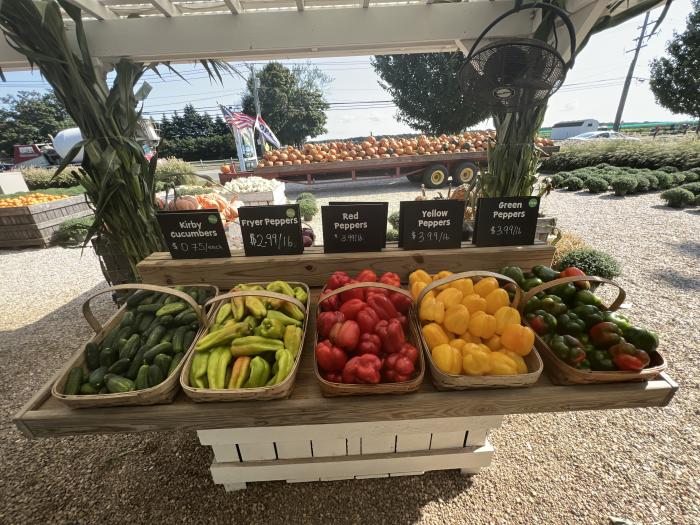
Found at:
<point>675,79</point>
<point>190,124</point>
<point>426,91</point>
<point>291,101</point>
<point>30,117</point>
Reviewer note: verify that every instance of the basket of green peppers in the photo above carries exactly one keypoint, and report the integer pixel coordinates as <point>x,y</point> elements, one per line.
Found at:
<point>137,356</point>
<point>253,346</point>
<point>580,339</point>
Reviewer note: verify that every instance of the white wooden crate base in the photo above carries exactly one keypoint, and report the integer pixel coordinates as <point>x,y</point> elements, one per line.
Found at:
<point>348,450</point>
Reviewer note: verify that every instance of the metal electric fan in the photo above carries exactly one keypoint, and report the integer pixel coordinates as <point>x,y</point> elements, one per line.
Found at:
<point>515,73</point>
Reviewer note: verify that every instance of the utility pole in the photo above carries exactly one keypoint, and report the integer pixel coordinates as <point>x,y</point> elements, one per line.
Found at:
<point>256,101</point>
<point>630,73</point>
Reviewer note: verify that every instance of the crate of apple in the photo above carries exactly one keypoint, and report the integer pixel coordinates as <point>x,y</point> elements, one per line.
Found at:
<point>366,340</point>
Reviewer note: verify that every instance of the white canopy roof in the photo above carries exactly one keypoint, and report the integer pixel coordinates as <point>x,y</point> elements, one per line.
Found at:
<point>179,31</point>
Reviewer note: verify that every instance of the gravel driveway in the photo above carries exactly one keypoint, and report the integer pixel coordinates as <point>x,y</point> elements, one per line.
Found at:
<point>582,467</point>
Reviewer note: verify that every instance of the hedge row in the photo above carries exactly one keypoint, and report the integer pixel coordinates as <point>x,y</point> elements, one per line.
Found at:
<point>198,148</point>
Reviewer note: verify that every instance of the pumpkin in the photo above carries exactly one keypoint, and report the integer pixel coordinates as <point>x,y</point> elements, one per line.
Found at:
<point>186,202</point>
<point>225,169</point>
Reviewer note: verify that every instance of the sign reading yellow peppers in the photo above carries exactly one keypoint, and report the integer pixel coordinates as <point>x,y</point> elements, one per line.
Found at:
<point>470,327</point>
<point>253,342</point>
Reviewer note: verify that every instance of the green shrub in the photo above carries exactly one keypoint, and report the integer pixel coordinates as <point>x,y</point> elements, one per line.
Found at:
<point>653,180</point>
<point>693,187</point>
<point>194,190</point>
<point>591,261</point>
<point>394,220</point>
<point>175,171</point>
<point>603,165</point>
<point>308,208</point>
<point>306,195</point>
<point>668,169</point>
<point>678,197</point>
<point>692,175</point>
<point>678,178</point>
<point>642,183</point>
<point>574,184</point>
<point>73,231</point>
<point>596,185</point>
<point>608,176</point>
<point>210,147</point>
<point>624,185</point>
<point>392,234</point>
<point>665,180</point>
<point>697,200</point>
<point>43,178</point>
<point>695,170</point>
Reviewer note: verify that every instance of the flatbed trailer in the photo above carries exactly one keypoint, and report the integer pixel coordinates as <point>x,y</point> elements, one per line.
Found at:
<point>435,171</point>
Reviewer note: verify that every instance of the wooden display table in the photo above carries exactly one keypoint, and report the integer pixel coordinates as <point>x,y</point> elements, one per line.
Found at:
<point>308,437</point>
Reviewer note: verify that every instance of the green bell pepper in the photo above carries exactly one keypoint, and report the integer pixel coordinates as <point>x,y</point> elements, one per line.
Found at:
<point>541,322</point>
<point>567,348</point>
<point>529,284</point>
<point>515,273</point>
<point>587,297</point>
<point>554,305</point>
<point>301,294</point>
<point>545,273</point>
<point>566,291</point>
<point>617,318</point>
<point>570,324</point>
<point>252,322</point>
<point>643,339</point>
<point>601,360</point>
<point>590,314</point>
<point>272,328</point>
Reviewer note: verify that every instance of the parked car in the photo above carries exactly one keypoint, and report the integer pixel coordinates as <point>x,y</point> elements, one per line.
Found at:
<point>4,166</point>
<point>595,135</point>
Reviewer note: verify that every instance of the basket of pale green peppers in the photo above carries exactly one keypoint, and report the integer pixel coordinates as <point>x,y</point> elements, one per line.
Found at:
<point>253,346</point>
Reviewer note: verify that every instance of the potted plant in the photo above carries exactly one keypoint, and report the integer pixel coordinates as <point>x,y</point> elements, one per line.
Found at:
<point>308,208</point>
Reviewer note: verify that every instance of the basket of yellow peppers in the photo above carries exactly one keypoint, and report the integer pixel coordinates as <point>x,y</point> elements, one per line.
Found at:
<point>471,330</point>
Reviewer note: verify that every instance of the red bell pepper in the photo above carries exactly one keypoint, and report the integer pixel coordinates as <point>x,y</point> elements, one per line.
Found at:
<point>390,278</point>
<point>336,280</point>
<point>330,358</point>
<point>628,357</point>
<point>401,302</point>
<point>326,320</point>
<point>351,308</point>
<point>398,368</point>
<point>366,276</point>
<point>573,271</point>
<point>376,291</point>
<point>605,335</point>
<point>364,368</point>
<point>367,318</point>
<point>346,335</point>
<point>333,377</point>
<point>403,320</point>
<point>383,306</point>
<point>369,344</point>
<point>391,334</point>
<point>355,293</point>
<point>409,351</point>
<point>330,304</point>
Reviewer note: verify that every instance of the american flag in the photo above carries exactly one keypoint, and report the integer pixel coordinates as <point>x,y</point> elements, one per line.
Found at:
<point>237,120</point>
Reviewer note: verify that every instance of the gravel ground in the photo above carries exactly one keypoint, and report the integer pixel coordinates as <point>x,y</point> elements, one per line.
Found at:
<point>554,468</point>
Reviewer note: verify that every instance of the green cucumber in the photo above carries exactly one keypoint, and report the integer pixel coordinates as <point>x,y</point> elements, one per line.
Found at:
<point>166,320</point>
<point>155,376</point>
<point>92,355</point>
<point>171,309</point>
<point>189,338</point>
<point>148,308</point>
<point>137,298</point>
<point>193,293</point>
<point>179,339</point>
<point>121,343</point>
<point>87,389</point>
<point>142,378</point>
<point>160,348</point>
<point>108,356</point>
<point>163,361</point>
<point>136,362</point>
<point>146,322</point>
<point>177,359</point>
<point>155,336</point>
<point>128,319</point>
<point>128,351</point>
<point>168,337</point>
<point>75,379</point>
<point>110,338</point>
<point>125,332</point>
<point>97,377</point>
<point>120,367</point>
<point>119,384</point>
<point>186,317</point>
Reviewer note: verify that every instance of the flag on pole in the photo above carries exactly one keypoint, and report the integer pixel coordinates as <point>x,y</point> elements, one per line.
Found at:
<point>237,120</point>
<point>266,132</point>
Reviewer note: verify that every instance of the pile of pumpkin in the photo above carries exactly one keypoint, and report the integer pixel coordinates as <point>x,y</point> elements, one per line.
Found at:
<point>208,201</point>
<point>384,148</point>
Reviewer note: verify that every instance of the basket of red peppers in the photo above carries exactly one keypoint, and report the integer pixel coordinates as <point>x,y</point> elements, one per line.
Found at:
<point>366,342</point>
<point>580,339</point>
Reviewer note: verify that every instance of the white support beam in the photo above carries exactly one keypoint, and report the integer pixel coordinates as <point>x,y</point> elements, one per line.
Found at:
<point>300,5</point>
<point>234,6</point>
<point>166,7</point>
<point>365,4</point>
<point>94,8</point>
<point>583,22</point>
<point>464,46</point>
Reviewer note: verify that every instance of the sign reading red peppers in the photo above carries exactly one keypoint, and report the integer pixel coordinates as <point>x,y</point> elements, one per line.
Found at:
<point>362,331</point>
<point>357,227</point>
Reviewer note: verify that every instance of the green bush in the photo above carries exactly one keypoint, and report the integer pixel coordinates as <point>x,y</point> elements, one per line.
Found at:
<point>693,187</point>
<point>43,178</point>
<point>175,171</point>
<point>394,220</point>
<point>678,197</point>
<point>306,195</point>
<point>695,170</point>
<point>596,185</point>
<point>624,185</point>
<point>608,176</point>
<point>692,175</point>
<point>556,180</point>
<point>308,208</point>
<point>678,178</point>
<point>199,148</point>
<point>392,234</point>
<point>653,180</point>
<point>73,231</point>
<point>574,184</point>
<point>668,169</point>
<point>665,180</point>
<point>194,190</point>
<point>642,183</point>
<point>697,200</point>
<point>591,261</point>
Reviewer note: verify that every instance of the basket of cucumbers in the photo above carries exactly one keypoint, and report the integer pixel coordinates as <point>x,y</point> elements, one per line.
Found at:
<point>137,356</point>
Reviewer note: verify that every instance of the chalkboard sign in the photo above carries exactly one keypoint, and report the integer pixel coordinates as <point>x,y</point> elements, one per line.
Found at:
<point>271,230</point>
<point>506,221</point>
<point>427,225</point>
<point>354,227</point>
<point>385,207</point>
<point>196,234</point>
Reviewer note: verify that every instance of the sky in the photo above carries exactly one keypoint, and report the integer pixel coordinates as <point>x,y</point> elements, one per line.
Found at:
<point>359,106</point>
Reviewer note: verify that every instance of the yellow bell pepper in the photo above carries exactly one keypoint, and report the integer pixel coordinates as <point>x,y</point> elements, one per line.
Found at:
<point>505,316</point>
<point>466,286</point>
<point>442,275</point>
<point>502,365</point>
<point>447,358</point>
<point>494,343</point>
<point>469,338</point>
<point>457,318</point>
<point>474,303</point>
<point>458,343</point>
<point>431,310</point>
<point>518,339</point>
<point>450,297</point>
<point>419,276</point>
<point>498,298</point>
<point>482,325</point>
<point>485,286</point>
<point>520,364</point>
<point>476,360</point>
<point>417,288</point>
<point>434,335</point>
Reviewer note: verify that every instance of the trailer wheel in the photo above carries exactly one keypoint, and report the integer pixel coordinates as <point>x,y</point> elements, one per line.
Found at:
<point>435,176</point>
<point>465,173</point>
